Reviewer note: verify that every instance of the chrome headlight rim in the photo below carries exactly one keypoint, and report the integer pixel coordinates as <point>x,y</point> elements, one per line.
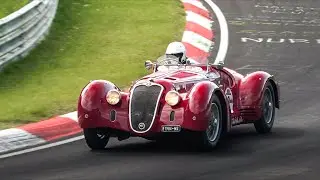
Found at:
<point>172,98</point>
<point>113,97</point>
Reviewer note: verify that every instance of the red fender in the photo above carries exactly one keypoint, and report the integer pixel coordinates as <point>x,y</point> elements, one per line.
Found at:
<point>90,102</point>
<point>251,89</point>
<point>199,96</point>
<point>93,94</point>
<point>199,105</point>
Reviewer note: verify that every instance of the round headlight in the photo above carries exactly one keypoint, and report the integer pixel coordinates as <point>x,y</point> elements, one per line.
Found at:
<point>172,98</point>
<point>113,97</point>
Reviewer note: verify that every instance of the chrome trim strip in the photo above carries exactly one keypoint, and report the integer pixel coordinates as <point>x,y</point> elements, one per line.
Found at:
<point>155,109</point>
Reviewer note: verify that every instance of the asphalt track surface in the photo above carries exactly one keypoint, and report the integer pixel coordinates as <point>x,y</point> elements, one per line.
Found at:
<point>292,151</point>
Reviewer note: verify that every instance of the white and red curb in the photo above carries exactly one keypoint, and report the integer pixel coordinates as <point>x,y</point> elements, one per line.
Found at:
<point>198,35</point>
<point>39,133</point>
<point>198,39</point>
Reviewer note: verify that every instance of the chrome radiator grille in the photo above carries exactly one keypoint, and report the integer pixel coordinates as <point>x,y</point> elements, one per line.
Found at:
<point>143,106</point>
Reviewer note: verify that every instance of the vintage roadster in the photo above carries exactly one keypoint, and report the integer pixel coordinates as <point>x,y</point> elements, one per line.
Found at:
<point>204,99</point>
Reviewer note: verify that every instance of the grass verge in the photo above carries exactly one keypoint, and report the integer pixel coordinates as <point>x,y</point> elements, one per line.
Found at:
<point>101,39</point>
<point>9,6</point>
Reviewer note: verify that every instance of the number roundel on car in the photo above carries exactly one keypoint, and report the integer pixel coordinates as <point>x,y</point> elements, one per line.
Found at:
<point>229,96</point>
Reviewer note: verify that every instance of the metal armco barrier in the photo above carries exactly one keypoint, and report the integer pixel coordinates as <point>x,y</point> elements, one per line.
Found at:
<point>22,30</point>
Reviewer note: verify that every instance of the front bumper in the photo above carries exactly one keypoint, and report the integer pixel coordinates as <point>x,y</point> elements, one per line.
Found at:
<point>168,117</point>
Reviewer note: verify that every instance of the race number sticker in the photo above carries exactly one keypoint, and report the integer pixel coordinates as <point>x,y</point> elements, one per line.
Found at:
<point>229,96</point>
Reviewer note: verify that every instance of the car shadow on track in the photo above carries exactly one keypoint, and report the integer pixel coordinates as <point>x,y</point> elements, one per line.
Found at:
<point>240,141</point>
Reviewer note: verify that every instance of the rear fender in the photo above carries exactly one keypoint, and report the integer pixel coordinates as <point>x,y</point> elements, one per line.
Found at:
<point>251,89</point>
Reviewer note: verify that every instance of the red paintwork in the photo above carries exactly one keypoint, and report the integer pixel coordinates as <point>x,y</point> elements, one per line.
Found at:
<point>252,88</point>
<point>195,97</point>
<point>199,96</point>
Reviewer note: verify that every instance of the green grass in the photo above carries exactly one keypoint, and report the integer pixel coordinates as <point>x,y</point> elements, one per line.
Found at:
<point>100,39</point>
<point>9,6</point>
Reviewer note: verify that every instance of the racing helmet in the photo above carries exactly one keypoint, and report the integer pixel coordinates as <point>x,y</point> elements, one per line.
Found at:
<point>178,50</point>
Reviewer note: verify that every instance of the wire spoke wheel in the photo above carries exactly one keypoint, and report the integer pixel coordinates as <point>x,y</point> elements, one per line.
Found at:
<point>265,123</point>
<point>214,123</point>
<point>268,106</point>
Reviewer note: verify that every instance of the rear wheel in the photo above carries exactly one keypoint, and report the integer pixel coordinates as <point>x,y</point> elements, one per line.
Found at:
<point>212,134</point>
<point>265,123</point>
<point>97,138</point>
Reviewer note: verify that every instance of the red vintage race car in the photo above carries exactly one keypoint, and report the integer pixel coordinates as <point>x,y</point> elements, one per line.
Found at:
<point>204,99</point>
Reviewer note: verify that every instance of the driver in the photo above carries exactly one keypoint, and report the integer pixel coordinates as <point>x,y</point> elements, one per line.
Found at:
<point>178,50</point>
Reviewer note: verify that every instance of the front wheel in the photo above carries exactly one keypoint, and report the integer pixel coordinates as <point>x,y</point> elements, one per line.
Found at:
<point>265,123</point>
<point>212,134</point>
<point>96,138</point>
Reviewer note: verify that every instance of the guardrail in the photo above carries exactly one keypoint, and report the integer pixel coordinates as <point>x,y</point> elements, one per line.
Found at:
<point>22,30</point>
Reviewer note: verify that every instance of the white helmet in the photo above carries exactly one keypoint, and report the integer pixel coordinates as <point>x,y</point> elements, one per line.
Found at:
<point>177,49</point>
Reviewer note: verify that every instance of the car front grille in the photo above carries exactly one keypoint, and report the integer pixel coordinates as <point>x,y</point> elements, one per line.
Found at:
<point>143,106</point>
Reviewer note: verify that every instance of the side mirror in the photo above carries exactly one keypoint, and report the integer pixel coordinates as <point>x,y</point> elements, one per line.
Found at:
<point>148,65</point>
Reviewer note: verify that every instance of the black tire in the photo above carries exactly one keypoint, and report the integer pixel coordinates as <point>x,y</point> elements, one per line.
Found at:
<point>96,138</point>
<point>209,143</point>
<point>265,123</point>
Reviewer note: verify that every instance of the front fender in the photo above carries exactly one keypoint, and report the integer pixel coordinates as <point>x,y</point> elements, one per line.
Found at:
<point>200,95</point>
<point>92,94</point>
<point>94,111</point>
<point>251,89</point>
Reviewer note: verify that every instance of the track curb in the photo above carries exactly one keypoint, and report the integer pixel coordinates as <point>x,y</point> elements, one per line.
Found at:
<point>198,38</point>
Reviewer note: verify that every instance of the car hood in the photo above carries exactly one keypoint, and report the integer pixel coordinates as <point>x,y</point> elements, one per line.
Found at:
<point>180,79</point>
<point>177,75</point>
